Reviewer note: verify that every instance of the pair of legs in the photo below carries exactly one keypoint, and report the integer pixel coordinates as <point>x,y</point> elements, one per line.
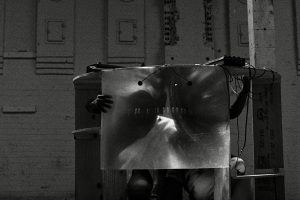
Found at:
<point>199,184</point>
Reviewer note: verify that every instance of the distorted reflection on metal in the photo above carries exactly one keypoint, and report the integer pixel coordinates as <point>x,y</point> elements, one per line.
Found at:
<point>164,122</point>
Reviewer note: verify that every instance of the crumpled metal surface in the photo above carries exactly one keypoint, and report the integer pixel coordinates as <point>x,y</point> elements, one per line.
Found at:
<point>170,117</point>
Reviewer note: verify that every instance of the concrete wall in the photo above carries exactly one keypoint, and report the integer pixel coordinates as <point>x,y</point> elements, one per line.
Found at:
<point>286,62</point>
<point>37,116</point>
<point>37,111</point>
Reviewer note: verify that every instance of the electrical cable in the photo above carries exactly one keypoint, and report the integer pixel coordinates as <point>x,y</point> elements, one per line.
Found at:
<point>247,114</point>
<point>238,136</point>
<point>251,76</point>
<point>187,81</point>
<point>227,73</point>
<point>238,128</point>
<point>246,125</point>
<point>141,82</point>
<point>231,79</point>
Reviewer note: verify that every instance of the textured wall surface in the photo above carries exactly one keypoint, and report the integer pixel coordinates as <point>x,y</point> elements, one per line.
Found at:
<point>37,110</point>
<point>286,57</point>
<point>37,116</point>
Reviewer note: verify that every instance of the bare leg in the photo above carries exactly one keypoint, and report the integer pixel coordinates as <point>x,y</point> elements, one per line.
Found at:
<point>140,185</point>
<point>200,184</point>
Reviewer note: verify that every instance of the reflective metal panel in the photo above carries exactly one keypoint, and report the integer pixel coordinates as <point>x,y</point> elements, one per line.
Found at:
<point>167,117</point>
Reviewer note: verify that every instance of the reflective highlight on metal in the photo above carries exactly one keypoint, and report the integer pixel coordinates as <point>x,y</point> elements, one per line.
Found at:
<point>177,118</point>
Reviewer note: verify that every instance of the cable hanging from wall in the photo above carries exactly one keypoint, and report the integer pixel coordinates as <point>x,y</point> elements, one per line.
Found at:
<point>252,75</point>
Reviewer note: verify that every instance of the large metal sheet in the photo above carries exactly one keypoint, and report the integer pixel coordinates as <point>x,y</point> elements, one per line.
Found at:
<point>177,118</point>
